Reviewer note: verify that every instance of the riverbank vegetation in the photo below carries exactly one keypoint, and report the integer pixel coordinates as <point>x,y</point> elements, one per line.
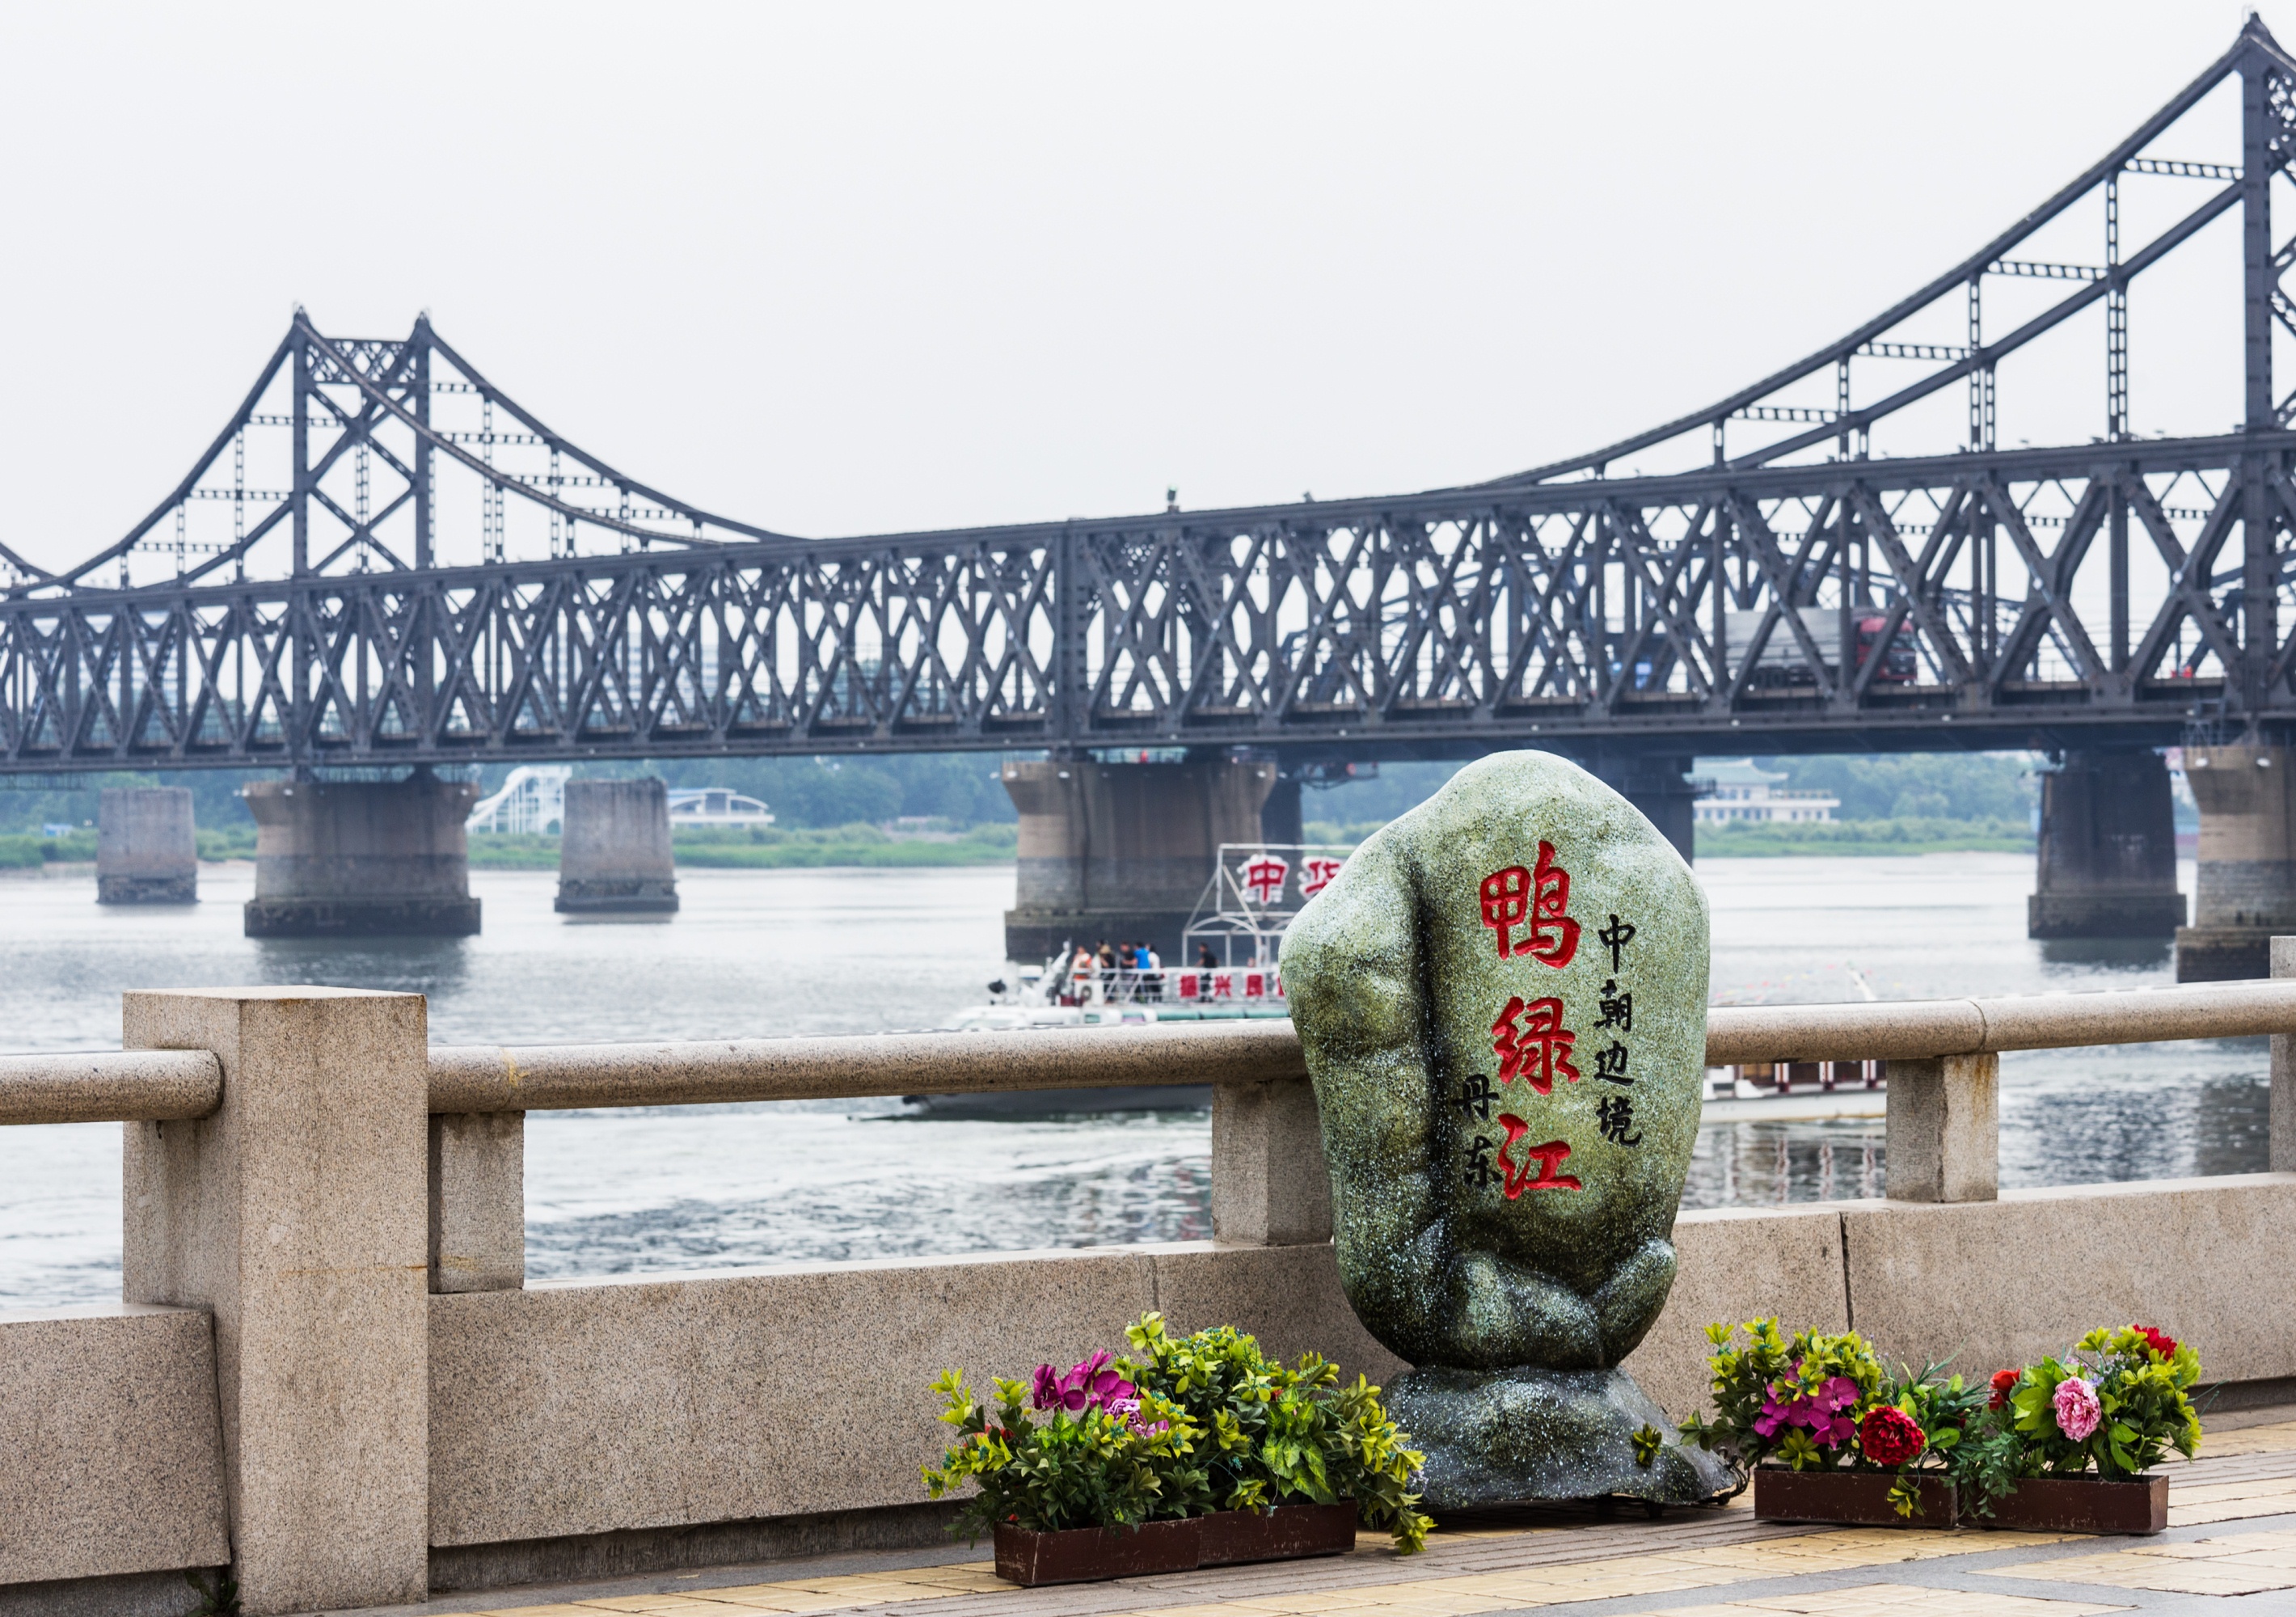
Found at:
<point>780,847</point>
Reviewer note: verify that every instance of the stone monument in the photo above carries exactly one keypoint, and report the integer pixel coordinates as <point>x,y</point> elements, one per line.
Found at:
<point>1502,1001</point>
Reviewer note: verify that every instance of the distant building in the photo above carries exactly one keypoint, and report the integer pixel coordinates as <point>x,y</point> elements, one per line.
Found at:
<point>715,806</point>
<point>1744,795</point>
<point>532,800</point>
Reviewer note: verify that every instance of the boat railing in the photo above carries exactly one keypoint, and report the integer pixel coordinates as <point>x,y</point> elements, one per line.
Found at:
<point>1169,985</point>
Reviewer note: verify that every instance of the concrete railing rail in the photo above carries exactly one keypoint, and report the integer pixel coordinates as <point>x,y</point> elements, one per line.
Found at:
<point>149,1086</point>
<point>110,1087</point>
<point>543,1078</point>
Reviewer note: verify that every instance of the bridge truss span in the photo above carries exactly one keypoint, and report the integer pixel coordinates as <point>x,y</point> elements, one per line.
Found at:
<point>384,557</point>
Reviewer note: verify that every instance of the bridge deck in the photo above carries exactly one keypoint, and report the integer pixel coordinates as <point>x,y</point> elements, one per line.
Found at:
<point>2232,1533</point>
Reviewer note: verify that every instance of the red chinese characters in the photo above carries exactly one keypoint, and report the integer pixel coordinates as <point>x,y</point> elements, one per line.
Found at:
<point>1263,878</point>
<point>1535,1047</point>
<point>1547,1160</point>
<point>1315,874</point>
<point>1535,900</point>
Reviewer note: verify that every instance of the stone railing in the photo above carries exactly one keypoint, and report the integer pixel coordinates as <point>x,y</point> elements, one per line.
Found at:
<point>328,1368</point>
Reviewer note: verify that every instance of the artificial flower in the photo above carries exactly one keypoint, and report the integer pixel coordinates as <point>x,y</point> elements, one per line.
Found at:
<point>2078,1410</point>
<point>1048,1387</point>
<point>1889,1436</point>
<point>1091,1384</point>
<point>2164,1345</point>
<point>1820,1411</point>
<point>2005,1383</point>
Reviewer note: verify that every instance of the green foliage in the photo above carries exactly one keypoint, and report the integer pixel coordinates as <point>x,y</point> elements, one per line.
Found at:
<point>1751,1385</point>
<point>1981,1439</point>
<point>217,1599</point>
<point>236,842</point>
<point>775,847</point>
<point>1920,785</point>
<point>1648,1439</point>
<point>1884,837</point>
<point>20,852</point>
<point>1217,1426</point>
<point>1099,1468</point>
<point>513,850</point>
<point>2143,1397</point>
<point>1282,1434</point>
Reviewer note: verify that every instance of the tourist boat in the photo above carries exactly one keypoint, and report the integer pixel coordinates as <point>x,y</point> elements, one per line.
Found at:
<point>1238,923</point>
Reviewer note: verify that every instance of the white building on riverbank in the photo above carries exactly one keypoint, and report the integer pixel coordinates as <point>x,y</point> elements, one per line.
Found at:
<point>1744,795</point>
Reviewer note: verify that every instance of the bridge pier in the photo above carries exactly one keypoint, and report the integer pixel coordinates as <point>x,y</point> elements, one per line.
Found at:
<point>2247,886</point>
<point>362,859</point>
<point>1119,852</point>
<point>145,849</point>
<point>1659,784</point>
<point>1280,820</point>
<point>613,849</point>
<point>2107,857</point>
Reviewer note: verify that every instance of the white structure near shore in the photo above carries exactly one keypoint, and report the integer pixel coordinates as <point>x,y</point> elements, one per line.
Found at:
<point>532,800</point>
<point>1744,795</point>
<point>715,806</point>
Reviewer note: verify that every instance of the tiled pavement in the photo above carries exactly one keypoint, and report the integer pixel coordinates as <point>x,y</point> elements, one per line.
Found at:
<point>2231,1545</point>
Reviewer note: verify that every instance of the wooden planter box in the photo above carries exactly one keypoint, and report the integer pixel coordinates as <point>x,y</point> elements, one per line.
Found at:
<point>1089,1555</point>
<point>1290,1532</point>
<point>1857,1497</point>
<point>2083,1505</point>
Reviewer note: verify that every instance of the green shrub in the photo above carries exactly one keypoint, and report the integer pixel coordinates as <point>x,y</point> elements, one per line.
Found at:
<point>1200,1423</point>
<point>20,852</point>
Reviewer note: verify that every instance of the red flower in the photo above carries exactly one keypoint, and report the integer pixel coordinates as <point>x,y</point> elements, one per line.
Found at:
<point>1889,1436</point>
<point>2165,1346</point>
<point>2005,1383</point>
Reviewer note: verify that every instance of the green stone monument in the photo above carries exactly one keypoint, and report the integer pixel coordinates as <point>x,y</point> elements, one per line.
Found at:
<point>1503,1002</point>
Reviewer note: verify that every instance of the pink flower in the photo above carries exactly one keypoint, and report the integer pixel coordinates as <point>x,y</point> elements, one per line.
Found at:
<point>2078,1410</point>
<point>1821,1411</point>
<point>1090,1384</point>
<point>1048,1387</point>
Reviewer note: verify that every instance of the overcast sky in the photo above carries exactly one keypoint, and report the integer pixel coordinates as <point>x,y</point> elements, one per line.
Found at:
<point>851,268</point>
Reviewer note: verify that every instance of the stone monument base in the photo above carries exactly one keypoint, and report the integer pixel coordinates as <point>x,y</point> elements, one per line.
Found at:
<point>1510,1436</point>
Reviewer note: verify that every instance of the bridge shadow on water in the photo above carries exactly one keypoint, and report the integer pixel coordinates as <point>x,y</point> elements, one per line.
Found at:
<point>406,966</point>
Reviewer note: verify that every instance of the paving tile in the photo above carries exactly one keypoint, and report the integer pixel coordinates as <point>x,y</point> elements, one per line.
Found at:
<point>1894,1600</point>
<point>2242,1564</point>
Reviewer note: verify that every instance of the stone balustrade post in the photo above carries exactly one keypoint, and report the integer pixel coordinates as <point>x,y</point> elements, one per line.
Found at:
<point>1270,1186</point>
<point>1944,1128</point>
<point>2282,1125</point>
<point>294,1212</point>
<point>478,1201</point>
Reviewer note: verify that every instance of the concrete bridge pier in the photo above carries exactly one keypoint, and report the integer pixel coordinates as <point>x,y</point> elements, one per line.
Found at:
<point>145,849</point>
<point>2107,860</point>
<point>613,849</point>
<point>1122,851</point>
<point>2247,887</point>
<point>1658,783</point>
<point>362,859</point>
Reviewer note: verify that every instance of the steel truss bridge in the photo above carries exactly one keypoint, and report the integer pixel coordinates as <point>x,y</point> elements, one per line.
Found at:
<point>383,558</point>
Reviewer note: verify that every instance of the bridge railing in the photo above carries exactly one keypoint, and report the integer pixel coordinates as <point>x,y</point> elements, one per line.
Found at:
<point>132,1085</point>
<point>328,1368</point>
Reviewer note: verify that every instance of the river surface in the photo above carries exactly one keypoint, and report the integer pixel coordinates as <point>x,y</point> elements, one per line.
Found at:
<point>763,953</point>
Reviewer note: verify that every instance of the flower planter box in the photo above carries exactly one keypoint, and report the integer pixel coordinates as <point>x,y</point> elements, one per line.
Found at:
<point>1290,1532</point>
<point>1857,1497</point>
<point>2084,1505</point>
<point>1087,1555</point>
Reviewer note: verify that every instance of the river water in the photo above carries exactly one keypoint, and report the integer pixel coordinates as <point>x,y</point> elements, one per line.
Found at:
<point>763,953</point>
